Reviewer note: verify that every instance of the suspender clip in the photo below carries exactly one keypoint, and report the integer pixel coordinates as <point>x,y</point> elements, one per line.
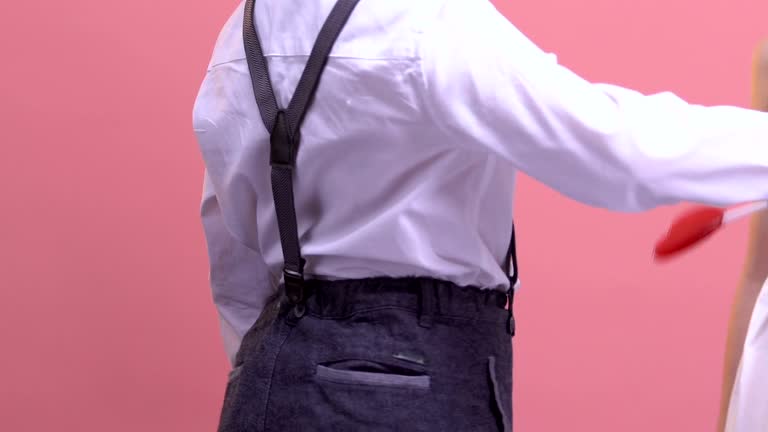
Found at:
<point>511,325</point>
<point>294,286</point>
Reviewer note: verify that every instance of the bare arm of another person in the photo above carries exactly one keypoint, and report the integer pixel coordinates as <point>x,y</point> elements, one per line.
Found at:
<point>756,266</point>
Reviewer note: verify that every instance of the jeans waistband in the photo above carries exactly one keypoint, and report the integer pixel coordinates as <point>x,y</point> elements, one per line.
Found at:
<point>428,297</point>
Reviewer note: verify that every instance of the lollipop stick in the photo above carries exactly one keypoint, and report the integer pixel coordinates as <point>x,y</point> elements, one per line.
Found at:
<point>739,212</point>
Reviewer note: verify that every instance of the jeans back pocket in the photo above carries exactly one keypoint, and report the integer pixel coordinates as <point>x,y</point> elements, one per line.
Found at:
<point>370,373</point>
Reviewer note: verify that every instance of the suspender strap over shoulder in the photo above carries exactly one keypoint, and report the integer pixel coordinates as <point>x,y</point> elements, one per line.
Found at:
<point>284,126</point>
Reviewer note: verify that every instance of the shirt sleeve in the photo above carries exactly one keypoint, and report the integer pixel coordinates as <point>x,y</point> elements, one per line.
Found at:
<point>237,274</point>
<point>489,87</point>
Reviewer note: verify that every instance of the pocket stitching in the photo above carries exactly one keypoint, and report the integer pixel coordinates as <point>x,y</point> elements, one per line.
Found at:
<point>496,396</point>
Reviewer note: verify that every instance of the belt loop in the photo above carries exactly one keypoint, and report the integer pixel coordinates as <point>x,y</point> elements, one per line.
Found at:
<point>427,293</point>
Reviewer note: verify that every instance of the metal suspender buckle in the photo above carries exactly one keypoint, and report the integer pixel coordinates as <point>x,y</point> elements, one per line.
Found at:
<point>294,286</point>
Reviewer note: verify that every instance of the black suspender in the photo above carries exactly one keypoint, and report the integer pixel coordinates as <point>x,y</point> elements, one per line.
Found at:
<point>510,266</point>
<point>284,126</point>
<point>510,263</point>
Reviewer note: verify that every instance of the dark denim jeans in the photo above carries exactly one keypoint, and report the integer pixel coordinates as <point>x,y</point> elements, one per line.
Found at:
<point>375,355</point>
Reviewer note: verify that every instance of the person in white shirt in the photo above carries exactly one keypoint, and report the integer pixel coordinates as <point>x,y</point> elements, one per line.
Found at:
<point>379,305</point>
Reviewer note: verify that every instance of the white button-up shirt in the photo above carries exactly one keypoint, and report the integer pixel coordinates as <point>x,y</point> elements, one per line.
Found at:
<point>407,163</point>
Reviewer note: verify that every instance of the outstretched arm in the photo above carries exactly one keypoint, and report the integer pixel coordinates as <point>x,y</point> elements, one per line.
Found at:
<point>491,89</point>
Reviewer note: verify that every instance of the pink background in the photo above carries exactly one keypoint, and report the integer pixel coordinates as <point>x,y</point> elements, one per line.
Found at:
<point>106,321</point>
